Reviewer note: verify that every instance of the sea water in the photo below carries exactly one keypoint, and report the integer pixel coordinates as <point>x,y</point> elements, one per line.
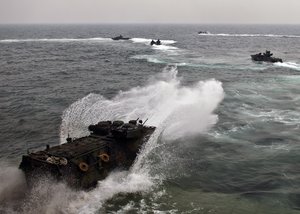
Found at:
<point>227,137</point>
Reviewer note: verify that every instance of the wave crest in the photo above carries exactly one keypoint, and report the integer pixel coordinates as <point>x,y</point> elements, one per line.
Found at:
<point>250,35</point>
<point>291,65</point>
<point>96,39</point>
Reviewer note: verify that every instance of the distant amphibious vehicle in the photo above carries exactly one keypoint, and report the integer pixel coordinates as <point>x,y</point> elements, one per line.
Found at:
<point>120,38</point>
<point>203,32</point>
<point>265,57</point>
<point>82,162</point>
<point>158,42</point>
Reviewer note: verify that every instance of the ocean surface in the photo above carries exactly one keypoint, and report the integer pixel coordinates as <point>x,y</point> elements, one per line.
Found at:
<point>227,138</point>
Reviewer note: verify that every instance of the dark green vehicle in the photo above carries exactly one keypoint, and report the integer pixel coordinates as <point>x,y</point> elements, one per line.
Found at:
<point>82,162</point>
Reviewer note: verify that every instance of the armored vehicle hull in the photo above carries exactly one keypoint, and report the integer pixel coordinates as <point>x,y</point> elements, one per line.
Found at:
<point>120,38</point>
<point>82,162</point>
<point>265,57</point>
<point>203,32</point>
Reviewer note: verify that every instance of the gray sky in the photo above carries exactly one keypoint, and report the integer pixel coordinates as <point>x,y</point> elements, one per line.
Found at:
<point>152,11</point>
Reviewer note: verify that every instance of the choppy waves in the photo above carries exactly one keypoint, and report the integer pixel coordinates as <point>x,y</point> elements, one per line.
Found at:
<point>165,46</point>
<point>259,117</point>
<point>97,39</point>
<point>250,35</point>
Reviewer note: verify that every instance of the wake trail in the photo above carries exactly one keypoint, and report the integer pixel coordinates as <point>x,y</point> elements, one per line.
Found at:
<point>96,39</point>
<point>250,35</point>
<point>165,44</point>
<point>291,65</point>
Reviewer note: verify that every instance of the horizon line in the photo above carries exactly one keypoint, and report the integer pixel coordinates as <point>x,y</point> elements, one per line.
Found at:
<point>138,23</point>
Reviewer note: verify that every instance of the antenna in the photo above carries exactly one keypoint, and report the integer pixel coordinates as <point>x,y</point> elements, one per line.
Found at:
<point>145,121</point>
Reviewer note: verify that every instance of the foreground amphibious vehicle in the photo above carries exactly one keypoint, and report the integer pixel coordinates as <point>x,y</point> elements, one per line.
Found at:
<point>82,162</point>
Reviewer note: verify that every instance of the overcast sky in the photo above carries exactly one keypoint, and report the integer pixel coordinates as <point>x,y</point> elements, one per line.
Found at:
<point>154,11</point>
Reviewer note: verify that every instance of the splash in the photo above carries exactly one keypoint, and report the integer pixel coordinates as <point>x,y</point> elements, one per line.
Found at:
<point>162,98</point>
<point>12,184</point>
<point>165,46</point>
<point>116,183</point>
<point>49,197</point>
<point>174,109</point>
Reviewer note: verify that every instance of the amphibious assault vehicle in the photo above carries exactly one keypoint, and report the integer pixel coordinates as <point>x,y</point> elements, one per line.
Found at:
<point>203,32</point>
<point>82,162</point>
<point>120,38</point>
<point>265,57</point>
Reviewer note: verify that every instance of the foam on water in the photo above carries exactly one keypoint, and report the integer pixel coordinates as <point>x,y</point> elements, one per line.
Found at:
<point>165,46</point>
<point>147,41</point>
<point>281,116</point>
<point>141,40</point>
<point>167,104</point>
<point>115,183</point>
<point>181,62</point>
<point>250,35</point>
<point>149,58</point>
<point>291,65</point>
<point>97,39</point>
